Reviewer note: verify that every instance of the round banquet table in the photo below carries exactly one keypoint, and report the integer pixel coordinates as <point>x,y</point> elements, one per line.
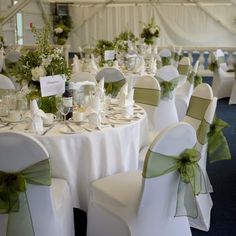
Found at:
<point>88,155</point>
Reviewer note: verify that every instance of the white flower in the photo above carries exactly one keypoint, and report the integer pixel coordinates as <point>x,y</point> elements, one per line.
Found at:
<point>37,72</point>
<point>152,30</point>
<point>58,30</point>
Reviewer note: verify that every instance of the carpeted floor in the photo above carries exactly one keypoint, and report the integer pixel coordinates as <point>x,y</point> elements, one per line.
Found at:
<point>223,178</point>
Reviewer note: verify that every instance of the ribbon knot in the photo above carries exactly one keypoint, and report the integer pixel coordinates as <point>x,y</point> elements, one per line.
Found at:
<point>10,187</point>
<point>167,87</point>
<point>187,164</point>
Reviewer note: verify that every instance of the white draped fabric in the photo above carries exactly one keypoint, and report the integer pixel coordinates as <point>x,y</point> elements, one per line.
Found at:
<point>181,25</point>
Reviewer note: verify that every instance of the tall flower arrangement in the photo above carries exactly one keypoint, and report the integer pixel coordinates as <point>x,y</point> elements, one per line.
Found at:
<point>150,32</point>
<point>44,60</point>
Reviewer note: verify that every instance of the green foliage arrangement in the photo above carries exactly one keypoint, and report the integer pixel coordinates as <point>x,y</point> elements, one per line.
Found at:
<point>150,32</point>
<point>100,48</point>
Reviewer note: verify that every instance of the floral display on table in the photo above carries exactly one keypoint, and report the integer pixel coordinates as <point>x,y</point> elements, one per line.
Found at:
<point>122,41</point>
<point>101,47</point>
<point>62,29</point>
<point>150,32</point>
<point>44,60</point>
<point>213,62</point>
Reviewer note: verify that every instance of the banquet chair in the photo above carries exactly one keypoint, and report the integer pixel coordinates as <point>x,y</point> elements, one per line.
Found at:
<point>223,80</point>
<point>200,115</point>
<point>147,95</point>
<point>184,92</point>
<point>139,203</point>
<point>6,85</point>
<point>167,114</point>
<point>45,206</point>
<point>184,66</point>
<point>165,55</point>
<point>113,80</point>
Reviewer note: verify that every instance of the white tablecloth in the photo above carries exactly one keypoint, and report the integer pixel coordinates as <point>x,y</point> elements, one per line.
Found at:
<point>83,157</point>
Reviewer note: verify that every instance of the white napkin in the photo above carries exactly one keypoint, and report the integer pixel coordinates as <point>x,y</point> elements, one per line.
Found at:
<point>141,68</point>
<point>126,98</point>
<point>100,91</point>
<point>93,112</point>
<point>94,67</point>
<point>123,92</point>
<point>36,117</point>
<point>76,65</point>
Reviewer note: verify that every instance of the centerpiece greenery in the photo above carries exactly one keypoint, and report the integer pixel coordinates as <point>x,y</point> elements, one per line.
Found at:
<point>121,42</point>
<point>100,48</point>
<point>150,32</point>
<point>62,29</point>
<point>44,60</point>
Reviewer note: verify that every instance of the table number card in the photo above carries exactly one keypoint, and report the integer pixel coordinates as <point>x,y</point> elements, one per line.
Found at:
<point>52,85</point>
<point>109,55</point>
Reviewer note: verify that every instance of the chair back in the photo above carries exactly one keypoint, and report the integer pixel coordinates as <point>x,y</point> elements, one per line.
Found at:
<point>147,95</point>
<point>113,79</point>
<point>199,104</point>
<point>19,151</point>
<point>220,57</point>
<point>184,66</point>
<point>158,197</point>
<point>167,113</point>
<point>6,83</point>
<point>165,55</point>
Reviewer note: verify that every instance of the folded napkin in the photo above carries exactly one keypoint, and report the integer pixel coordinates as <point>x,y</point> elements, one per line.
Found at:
<point>93,112</point>
<point>126,99</point>
<point>36,116</point>
<point>76,65</point>
<point>123,92</point>
<point>94,67</point>
<point>141,68</point>
<point>100,91</point>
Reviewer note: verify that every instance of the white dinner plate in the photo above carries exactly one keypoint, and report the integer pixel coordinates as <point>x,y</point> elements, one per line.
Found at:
<point>6,119</point>
<point>66,130</point>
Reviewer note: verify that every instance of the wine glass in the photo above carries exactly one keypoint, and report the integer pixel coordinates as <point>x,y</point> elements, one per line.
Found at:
<point>64,110</point>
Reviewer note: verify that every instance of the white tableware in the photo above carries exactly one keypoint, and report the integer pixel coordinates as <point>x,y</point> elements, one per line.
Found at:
<point>15,115</point>
<point>49,119</point>
<point>78,116</point>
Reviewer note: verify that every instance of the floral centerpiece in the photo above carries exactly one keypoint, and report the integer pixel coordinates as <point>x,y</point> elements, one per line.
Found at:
<point>101,47</point>
<point>42,61</point>
<point>62,29</point>
<point>213,62</point>
<point>121,42</point>
<point>150,32</point>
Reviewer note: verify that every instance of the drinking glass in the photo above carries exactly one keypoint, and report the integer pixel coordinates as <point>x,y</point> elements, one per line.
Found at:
<point>64,110</point>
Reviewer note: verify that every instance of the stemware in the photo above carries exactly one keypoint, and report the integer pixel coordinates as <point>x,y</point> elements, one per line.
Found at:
<point>64,110</point>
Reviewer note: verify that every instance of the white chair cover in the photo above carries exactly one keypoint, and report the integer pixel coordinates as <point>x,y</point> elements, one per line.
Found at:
<point>110,75</point>
<point>184,92</point>
<point>6,83</point>
<point>167,113</point>
<point>50,206</point>
<point>204,201</point>
<point>223,81</point>
<point>127,204</point>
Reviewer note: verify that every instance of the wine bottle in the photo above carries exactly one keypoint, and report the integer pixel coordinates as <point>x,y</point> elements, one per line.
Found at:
<point>68,100</point>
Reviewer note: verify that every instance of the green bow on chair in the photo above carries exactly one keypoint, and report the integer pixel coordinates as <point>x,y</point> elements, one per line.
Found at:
<point>184,69</point>
<point>167,87</point>
<point>191,182</point>
<point>113,88</point>
<point>218,148</point>
<point>165,61</point>
<point>13,196</point>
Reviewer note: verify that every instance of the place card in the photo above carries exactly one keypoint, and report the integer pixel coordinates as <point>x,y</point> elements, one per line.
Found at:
<point>109,55</point>
<point>52,85</point>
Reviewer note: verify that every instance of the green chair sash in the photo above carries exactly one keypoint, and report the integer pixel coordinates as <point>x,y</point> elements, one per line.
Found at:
<point>183,69</point>
<point>218,148</point>
<point>175,56</point>
<point>113,88</point>
<point>221,59</point>
<point>191,182</point>
<point>13,196</point>
<point>197,107</point>
<point>165,61</point>
<point>147,96</point>
<point>167,87</point>
<point>191,77</point>
<point>197,80</point>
